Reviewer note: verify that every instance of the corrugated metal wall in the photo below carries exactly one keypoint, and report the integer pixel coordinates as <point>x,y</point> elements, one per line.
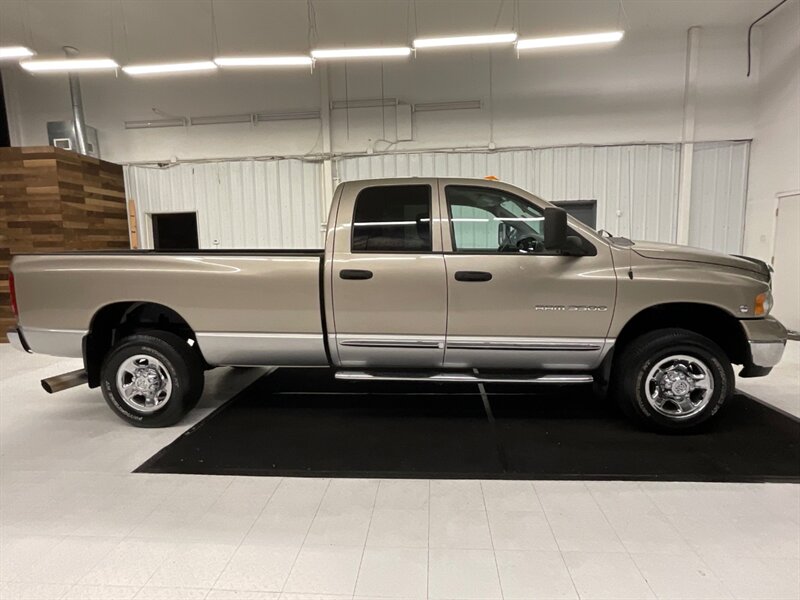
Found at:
<point>239,204</point>
<point>719,193</point>
<point>636,187</point>
<point>277,203</point>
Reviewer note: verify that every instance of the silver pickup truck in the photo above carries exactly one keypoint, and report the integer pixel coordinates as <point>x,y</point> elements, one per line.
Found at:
<point>428,279</point>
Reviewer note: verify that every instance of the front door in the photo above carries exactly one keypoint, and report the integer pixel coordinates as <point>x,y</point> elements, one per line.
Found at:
<point>387,277</point>
<point>512,303</point>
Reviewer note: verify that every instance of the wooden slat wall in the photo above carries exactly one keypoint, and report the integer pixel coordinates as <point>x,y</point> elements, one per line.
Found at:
<point>52,200</point>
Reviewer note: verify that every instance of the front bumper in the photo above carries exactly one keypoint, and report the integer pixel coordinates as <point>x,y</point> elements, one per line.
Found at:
<point>17,341</point>
<point>766,340</point>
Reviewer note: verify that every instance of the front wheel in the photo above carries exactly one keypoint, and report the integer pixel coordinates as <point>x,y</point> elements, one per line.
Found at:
<point>672,379</point>
<point>152,379</point>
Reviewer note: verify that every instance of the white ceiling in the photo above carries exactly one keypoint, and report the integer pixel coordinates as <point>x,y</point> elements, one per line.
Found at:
<point>164,30</point>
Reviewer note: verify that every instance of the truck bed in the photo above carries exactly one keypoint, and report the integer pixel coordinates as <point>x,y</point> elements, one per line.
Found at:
<point>245,306</point>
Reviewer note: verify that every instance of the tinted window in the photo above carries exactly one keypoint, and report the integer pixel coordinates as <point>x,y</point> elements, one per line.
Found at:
<point>393,218</point>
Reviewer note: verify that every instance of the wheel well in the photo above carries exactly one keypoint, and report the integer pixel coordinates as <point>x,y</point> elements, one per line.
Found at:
<point>710,321</point>
<point>120,319</point>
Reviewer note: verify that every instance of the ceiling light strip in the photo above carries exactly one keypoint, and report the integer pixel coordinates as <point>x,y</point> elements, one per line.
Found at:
<point>159,69</point>
<point>68,64</point>
<point>570,40</point>
<point>264,61</point>
<point>10,52</point>
<point>465,40</point>
<point>384,52</point>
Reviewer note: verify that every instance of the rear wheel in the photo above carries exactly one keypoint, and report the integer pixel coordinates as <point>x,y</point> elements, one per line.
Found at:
<point>152,379</point>
<point>672,379</point>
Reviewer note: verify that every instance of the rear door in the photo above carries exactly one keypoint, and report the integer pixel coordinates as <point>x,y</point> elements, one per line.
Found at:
<point>389,295</point>
<point>512,303</point>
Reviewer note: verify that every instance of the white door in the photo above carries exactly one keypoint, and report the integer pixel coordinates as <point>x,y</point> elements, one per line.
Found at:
<point>786,261</point>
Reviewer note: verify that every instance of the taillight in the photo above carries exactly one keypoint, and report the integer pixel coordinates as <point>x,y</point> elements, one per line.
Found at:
<point>13,294</point>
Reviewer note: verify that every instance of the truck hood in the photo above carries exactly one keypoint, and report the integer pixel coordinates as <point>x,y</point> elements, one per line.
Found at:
<point>698,255</point>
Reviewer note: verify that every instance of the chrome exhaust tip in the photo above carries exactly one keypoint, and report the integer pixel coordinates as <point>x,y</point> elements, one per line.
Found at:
<point>58,383</point>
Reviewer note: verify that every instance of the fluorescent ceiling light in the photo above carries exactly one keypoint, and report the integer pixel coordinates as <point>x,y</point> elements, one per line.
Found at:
<point>206,65</point>
<point>570,40</point>
<point>263,61</point>
<point>68,64</point>
<point>361,52</point>
<point>465,40</point>
<point>8,52</point>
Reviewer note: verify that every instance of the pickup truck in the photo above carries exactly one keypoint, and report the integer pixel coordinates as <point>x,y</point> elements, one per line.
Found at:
<point>428,279</point>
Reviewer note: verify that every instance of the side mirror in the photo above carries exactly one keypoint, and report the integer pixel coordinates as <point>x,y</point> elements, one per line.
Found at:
<point>555,228</point>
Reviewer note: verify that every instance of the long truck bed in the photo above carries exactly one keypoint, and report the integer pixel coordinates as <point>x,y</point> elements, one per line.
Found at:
<point>246,307</point>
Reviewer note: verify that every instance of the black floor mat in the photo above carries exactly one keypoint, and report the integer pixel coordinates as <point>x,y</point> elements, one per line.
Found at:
<point>302,422</point>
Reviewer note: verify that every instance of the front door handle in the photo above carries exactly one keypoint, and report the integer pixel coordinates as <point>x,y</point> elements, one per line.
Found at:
<point>473,276</point>
<point>355,274</point>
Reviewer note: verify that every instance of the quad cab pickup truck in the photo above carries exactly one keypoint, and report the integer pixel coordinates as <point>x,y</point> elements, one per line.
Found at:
<point>428,279</point>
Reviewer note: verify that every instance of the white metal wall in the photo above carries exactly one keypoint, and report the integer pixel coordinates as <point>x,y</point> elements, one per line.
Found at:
<point>719,194</point>
<point>239,204</point>
<point>277,203</point>
<point>636,186</point>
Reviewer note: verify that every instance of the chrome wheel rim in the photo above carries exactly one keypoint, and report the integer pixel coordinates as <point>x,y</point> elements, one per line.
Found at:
<point>144,383</point>
<point>679,386</point>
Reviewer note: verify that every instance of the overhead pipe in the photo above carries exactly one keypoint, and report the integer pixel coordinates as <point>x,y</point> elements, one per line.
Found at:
<point>78,119</point>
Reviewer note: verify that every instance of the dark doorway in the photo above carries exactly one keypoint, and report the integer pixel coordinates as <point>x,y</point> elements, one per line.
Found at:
<point>5,139</point>
<point>583,210</point>
<point>175,231</point>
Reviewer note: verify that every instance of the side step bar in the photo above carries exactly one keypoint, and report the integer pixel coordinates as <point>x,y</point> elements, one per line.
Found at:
<point>456,376</point>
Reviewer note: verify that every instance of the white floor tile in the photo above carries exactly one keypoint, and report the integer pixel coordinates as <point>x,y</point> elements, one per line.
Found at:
<point>259,568</point>
<point>131,563</point>
<point>100,592</point>
<point>606,576</point>
<point>345,495</point>
<point>528,575</point>
<point>644,532</point>
<point>170,593</point>
<point>456,495</point>
<point>344,529</point>
<point>398,528</point>
<point>757,578</point>
<point>393,573</point>
<point>510,495</point>
<point>684,577</point>
<point>521,530</point>
<point>32,591</point>
<point>192,565</point>
<point>406,494</point>
<point>584,531</point>
<point>241,595</point>
<point>67,561</point>
<point>459,529</point>
<point>466,574</point>
<point>280,528</point>
<point>325,570</point>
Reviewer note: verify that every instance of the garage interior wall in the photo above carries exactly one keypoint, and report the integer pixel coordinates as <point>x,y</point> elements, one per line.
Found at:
<point>278,203</point>
<point>239,204</point>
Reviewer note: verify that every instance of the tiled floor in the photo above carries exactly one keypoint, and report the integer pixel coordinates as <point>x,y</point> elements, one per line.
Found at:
<point>76,523</point>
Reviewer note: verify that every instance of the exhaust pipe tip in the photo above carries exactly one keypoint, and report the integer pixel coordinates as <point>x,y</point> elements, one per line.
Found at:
<point>58,383</point>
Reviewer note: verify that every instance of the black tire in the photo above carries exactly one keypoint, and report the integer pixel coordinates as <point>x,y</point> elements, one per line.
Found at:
<point>181,362</point>
<point>635,361</point>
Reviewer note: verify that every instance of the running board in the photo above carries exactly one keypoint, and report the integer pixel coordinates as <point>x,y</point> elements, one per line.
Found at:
<point>445,377</point>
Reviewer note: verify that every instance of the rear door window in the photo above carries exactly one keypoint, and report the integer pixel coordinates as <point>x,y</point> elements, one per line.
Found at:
<point>395,218</point>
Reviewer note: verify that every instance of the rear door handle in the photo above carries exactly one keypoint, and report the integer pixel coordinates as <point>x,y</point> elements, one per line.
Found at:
<point>473,276</point>
<point>355,274</point>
